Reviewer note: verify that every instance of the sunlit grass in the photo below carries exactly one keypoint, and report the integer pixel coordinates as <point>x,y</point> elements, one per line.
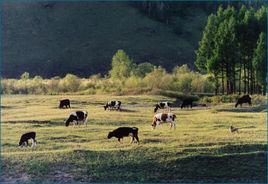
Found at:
<point>83,153</point>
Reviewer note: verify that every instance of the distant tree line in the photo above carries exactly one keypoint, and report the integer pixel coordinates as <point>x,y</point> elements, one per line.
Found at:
<point>124,77</point>
<point>166,11</point>
<point>233,50</point>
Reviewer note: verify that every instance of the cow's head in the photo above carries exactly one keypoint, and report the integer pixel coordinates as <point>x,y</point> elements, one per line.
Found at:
<point>85,114</point>
<point>20,144</point>
<point>110,135</point>
<point>105,107</point>
<point>155,122</point>
<point>156,108</point>
<point>61,105</point>
<point>173,117</point>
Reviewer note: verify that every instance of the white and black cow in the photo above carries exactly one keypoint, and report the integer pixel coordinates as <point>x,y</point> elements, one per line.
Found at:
<point>26,137</point>
<point>114,104</point>
<point>77,116</point>
<point>164,117</point>
<point>162,105</point>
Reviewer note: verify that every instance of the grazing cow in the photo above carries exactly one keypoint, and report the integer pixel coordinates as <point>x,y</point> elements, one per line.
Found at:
<point>26,137</point>
<point>187,103</point>
<point>121,132</point>
<point>233,129</point>
<point>243,99</point>
<point>64,103</point>
<point>113,105</point>
<point>77,116</point>
<point>162,105</point>
<point>164,117</point>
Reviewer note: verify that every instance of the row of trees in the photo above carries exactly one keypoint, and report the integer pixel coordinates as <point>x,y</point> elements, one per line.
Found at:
<point>233,50</point>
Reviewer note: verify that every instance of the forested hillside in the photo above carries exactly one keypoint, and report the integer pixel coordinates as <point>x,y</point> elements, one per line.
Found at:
<point>52,39</point>
<point>55,38</point>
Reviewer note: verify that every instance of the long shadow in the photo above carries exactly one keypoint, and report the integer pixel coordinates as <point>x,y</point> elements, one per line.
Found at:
<point>139,164</point>
<point>38,123</point>
<point>253,109</point>
<point>122,110</point>
<point>248,166</point>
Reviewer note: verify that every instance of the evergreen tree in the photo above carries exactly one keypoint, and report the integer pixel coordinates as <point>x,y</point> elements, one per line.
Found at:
<point>259,63</point>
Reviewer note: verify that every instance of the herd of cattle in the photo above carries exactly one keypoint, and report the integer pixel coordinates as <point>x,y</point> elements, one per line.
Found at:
<point>119,133</point>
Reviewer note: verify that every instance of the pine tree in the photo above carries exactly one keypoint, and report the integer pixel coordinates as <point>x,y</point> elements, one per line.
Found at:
<point>259,63</point>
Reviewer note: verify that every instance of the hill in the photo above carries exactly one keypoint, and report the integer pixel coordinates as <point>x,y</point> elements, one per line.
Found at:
<point>51,39</point>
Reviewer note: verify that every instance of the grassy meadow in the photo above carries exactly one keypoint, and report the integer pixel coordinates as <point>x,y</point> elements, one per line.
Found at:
<point>201,149</point>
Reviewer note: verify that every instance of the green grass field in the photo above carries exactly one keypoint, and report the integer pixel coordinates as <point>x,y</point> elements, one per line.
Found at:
<point>201,149</point>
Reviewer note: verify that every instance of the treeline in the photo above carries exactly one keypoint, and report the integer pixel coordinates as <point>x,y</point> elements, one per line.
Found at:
<point>167,11</point>
<point>125,77</point>
<point>233,50</point>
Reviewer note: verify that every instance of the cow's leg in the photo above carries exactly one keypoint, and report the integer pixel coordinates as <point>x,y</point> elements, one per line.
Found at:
<point>85,122</point>
<point>119,140</point>
<point>33,143</point>
<point>137,138</point>
<point>27,143</point>
<point>174,125</point>
<point>171,125</point>
<point>132,140</point>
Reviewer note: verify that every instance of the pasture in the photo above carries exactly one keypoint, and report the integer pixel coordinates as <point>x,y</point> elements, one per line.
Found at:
<point>201,149</point>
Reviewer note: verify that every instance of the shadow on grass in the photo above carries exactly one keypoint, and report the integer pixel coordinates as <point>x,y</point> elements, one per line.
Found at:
<point>36,123</point>
<point>143,166</point>
<point>121,110</point>
<point>254,109</point>
<point>246,164</point>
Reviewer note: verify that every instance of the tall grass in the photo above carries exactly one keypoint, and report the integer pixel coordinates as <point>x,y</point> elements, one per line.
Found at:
<point>181,80</point>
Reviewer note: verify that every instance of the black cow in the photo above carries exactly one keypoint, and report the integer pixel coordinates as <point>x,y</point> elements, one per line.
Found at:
<point>187,103</point>
<point>243,99</point>
<point>113,105</point>
<point>64,103</point>
<point>76,117</point>
<point>26,137</point>
<point>162,105</point>
<point>121,132</point>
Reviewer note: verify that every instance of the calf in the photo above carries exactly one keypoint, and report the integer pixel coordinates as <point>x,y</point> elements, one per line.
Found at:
<point>113,105</point>
<point>26,137</point>
<point>76,117</point>
<point>164,117</point>
<point>187,103</point>
<point>121,132</point>
<point>162,105</point>
<point>243,99</point>
<point>64,103</point>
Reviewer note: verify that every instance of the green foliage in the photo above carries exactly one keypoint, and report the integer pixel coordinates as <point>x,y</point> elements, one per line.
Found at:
<point>181,80</point>
<point>122,66</point>
<point>259,61</point>
<point>25,76</point>
<point>142,69</point>
<point>227,46</point>
<point>70,83</point>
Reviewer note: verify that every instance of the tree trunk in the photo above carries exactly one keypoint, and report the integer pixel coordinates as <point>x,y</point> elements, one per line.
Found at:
<point>245,78</point>
<point>222,81</point>
<point>239,82</point>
